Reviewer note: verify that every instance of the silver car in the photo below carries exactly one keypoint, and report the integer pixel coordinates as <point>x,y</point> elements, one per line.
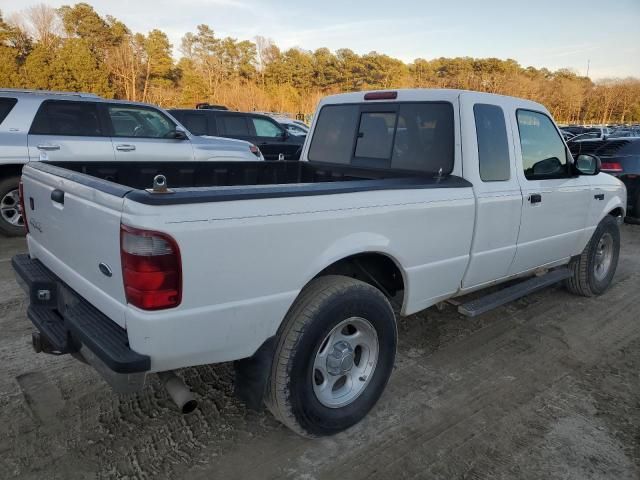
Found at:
<point>39,125</point>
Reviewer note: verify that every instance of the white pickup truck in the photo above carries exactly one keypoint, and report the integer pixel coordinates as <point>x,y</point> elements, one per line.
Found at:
<point>404,198</point>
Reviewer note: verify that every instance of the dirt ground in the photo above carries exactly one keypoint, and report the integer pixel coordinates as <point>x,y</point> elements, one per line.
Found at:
<point>547,387</point>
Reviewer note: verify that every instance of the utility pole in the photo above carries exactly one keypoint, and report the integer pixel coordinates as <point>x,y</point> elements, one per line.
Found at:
<point>588,62</point>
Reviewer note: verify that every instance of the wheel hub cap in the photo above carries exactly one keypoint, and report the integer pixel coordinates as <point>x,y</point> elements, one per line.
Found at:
<point>345,362</point>
<point>603,257</point>
<point>340,360</point>
<point>10,210</point>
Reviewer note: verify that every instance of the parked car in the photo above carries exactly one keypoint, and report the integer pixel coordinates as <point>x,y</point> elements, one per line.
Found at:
<point>290,268</point>
<point>294,127</point>
<point>274,141</point>
<point>620,158</point>
<point>66,127</point>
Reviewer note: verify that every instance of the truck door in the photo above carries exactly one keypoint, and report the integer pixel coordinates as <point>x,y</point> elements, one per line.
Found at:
<point>144,134</point>
<point>489,163</point>
<point>70,131</point>
<point>555,203</point>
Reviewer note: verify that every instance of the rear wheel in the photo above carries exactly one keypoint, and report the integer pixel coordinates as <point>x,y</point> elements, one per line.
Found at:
<point>594,269</point>
<point>334,356</point>
<point>11,218</point>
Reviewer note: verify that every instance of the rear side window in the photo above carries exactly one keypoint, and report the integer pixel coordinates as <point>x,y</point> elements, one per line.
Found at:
<point>59,117</point>
<point>196,123</point>
<point>493,146</point>
<point>6,105</point>
<point>406,136</point>
<point>233,125</point>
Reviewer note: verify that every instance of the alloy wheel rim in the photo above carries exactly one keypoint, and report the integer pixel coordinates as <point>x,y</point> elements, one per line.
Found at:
<point>603,257</point>
<point>345,362</point>
<point>10,209</point>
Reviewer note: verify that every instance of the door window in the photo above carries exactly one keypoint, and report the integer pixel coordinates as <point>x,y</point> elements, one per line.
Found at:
<point>6,105</point>
<point>233,126</point>
<point>59,117</point>
<point>133,121</point>
<point>493,146</point>
<point>265,128</point>
<point>544,155</point>
<point>196,123</point>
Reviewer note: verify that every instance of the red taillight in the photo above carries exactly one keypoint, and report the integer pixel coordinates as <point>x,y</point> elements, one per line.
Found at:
<point>23,210</point>
<point>381,96</point>
<point>615,167</point>
<point>151,268</point>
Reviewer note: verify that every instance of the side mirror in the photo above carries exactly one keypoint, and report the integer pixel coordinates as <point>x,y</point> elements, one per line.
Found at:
<point>178,134</point>
<point>587,164</point>
<point>284,135</point>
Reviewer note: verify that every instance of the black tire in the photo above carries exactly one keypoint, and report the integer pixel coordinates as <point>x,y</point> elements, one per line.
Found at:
<point>7,186</point>
<point>320,307</point>
<point>584,280</point>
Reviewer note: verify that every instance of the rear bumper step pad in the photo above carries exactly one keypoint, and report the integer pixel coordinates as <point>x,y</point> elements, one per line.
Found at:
<point>71,325</point>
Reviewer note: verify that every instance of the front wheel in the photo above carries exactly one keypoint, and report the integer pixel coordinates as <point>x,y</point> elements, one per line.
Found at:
<point>594,269</point>
<point>11,218</point>
<point>334,356</point>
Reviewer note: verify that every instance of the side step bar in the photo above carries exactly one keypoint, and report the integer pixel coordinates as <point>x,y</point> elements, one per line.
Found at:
<point>509,294</point>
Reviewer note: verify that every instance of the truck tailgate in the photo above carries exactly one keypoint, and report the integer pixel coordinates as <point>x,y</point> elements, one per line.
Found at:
<point>74,230</point>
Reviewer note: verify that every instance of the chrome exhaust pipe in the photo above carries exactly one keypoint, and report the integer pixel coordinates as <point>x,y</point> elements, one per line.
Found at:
<point>178,391</point>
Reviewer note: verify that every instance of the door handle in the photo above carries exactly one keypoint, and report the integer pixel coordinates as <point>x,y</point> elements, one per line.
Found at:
<point>48,148</point>
<point>125,148</point>
<point>58,196</point>
<point>535,198</point>
<point>599,196</point>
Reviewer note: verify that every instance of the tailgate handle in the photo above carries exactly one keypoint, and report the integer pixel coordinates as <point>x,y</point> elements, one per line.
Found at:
<point>49,147</point>
<point>57,196</point>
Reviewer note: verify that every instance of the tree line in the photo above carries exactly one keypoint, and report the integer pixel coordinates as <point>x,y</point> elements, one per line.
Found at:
<point>74,48</point>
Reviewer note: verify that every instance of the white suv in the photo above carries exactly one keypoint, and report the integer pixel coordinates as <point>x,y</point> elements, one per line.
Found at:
<point>61,126</point>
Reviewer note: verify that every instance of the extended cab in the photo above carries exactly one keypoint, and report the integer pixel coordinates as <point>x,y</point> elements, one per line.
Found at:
<point>295,270</point>
<point>65,127</point>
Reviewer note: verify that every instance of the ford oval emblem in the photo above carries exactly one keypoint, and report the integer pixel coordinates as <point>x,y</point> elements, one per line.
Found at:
<point>105,269</point>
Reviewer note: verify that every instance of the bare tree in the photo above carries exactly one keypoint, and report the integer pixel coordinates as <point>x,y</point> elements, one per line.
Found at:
<point>43,23</point>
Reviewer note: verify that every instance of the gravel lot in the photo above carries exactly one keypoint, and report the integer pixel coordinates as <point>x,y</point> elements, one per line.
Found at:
<point>547,387</point>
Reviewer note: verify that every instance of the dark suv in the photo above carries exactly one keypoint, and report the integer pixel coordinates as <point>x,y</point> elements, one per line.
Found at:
<point>260,130</point>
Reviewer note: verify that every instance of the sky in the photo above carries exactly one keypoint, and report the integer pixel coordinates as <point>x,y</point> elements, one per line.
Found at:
<point>540,33</point>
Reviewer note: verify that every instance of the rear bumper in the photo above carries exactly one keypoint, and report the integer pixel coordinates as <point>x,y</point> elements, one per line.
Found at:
<point>70,325</point>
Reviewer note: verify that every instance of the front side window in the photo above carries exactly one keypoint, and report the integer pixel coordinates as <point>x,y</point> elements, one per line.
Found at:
<point>493,146</point>
<point>6,105</point>
<point>543,152</point>
<point>233,126</point>
<point>133,121</point>
<point>60,117</point>
<point>265,128</point>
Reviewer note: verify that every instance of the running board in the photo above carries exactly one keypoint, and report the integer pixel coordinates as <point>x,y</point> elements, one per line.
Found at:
<point>509,294</point>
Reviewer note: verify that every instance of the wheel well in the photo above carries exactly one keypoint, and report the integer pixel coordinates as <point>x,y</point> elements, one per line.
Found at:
<point>617,212</point>
<point>376,269</point>
<point>10,170</point>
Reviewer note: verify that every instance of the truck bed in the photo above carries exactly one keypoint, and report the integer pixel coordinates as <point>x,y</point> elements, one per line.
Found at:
<point>194,182</point>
